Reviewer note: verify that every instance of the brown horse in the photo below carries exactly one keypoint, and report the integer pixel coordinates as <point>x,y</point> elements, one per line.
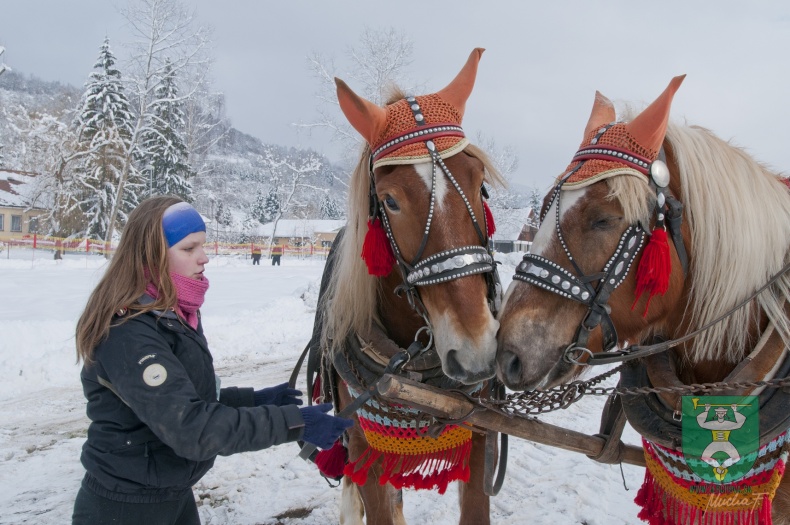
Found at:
<point>426,277</point>
<point>597,288</point>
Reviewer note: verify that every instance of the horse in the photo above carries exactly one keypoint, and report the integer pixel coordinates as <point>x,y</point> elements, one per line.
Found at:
<point>412,270</point>
<point>663,248</point>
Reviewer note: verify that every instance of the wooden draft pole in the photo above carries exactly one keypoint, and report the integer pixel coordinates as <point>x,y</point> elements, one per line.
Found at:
<point>449,405</point>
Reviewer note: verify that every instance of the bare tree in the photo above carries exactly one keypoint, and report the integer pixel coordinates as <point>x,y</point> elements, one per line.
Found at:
<point>289,180</point>
<point>163,30</point>
<point>3,67</point>
<point>377,63</point>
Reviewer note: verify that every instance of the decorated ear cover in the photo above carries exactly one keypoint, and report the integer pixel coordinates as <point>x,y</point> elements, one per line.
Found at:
<point>612,148</point>
<point>397,134</point>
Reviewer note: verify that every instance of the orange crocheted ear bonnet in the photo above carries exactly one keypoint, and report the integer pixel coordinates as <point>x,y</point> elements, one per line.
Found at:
<point>397,133</point>
<point>612,148</point>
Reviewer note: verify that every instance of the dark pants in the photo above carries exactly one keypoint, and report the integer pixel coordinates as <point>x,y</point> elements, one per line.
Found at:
<point>90,509</point>
<point>256,258</point>
<point>275,260</point>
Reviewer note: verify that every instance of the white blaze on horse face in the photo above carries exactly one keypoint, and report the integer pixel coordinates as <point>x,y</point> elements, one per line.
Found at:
<point>547,233</point>
<point>474,352</point>
<point>548,228</point>
<point>425,171</point>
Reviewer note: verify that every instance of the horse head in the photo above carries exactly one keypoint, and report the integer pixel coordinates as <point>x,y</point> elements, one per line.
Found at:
<point>593,265</point>
<point>422,227</point>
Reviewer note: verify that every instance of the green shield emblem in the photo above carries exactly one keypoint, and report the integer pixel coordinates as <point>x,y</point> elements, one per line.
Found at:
<point>721,436</point>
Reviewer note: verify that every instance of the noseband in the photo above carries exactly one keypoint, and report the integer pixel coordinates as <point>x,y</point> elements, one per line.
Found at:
<point>446,265</point>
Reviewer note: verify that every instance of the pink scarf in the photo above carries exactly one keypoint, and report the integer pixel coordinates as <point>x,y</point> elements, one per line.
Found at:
<point>190,292</point>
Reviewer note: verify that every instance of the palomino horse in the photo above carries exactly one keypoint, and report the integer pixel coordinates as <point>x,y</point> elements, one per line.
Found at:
<point>594,289</point>
<point>426,278</point>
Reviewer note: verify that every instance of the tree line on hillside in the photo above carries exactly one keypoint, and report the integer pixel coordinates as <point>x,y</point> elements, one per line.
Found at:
<point>152,126</point>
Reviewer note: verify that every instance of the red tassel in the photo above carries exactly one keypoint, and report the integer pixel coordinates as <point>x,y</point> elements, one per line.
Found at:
<point>331,462</point>
<point>652,276</point>
<point>317,389</point>
<point>376,251</point>
<point>489,220</point>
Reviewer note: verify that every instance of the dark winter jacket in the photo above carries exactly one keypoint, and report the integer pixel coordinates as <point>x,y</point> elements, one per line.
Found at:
<point>156,421</point>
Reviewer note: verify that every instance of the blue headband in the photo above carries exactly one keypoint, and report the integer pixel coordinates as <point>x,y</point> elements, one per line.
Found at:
<point>180,220</point>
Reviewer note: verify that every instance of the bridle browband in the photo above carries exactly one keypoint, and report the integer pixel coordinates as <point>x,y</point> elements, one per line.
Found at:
<point>541,272</point>
<point>447,265</point>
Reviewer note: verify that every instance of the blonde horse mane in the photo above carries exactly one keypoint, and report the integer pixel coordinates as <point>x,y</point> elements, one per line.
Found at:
<point>739,215</point>
<point>352,294</point>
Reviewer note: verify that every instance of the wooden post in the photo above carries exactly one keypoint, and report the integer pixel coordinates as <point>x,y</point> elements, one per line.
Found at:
<point>454,406</point>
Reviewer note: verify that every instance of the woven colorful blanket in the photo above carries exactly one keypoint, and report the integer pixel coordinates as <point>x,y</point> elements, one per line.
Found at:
<point>410,457</point>
<point>672,494</point>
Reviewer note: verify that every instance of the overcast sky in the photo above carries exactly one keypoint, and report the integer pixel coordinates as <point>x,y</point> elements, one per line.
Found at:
<point>537,78</point>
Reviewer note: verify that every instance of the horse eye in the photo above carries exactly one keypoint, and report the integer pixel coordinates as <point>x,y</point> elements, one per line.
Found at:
<point>605,223</point>
<point>391,203</point>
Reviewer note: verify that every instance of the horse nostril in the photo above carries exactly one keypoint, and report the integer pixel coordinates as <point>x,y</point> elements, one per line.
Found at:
<point>454,368</point>
<point>512,368</point>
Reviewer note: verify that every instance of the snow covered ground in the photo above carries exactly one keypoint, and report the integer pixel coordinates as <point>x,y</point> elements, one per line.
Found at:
<point>257,320</point>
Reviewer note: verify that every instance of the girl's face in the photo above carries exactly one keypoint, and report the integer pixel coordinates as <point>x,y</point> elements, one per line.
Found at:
<point>188,258</point>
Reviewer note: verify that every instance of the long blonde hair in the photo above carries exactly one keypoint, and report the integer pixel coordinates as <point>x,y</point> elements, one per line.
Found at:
<point>141,258</point>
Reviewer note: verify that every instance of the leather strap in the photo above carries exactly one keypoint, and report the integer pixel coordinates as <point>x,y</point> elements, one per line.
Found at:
<point>612,423</point>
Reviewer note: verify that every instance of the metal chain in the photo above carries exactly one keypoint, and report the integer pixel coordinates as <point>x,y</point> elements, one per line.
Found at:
<point>534,402</point>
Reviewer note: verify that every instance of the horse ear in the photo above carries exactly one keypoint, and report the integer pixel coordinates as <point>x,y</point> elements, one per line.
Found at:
<point>602,114</point>
<point>650,126</point>
<point>366,117</point>
<point>457,92</point>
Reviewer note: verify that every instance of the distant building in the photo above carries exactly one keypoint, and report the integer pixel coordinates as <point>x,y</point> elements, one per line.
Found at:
<point>515,230</point>
<point>19,217</point>
<point>300,232</point>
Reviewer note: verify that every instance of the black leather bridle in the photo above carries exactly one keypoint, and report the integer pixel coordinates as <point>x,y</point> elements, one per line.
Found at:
<point>541,272</point>
<point>447,265</point>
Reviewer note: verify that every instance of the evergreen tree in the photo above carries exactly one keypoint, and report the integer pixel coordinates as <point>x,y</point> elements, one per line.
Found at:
<point>535,202</point>
<point>165,166</point>
<point>330,209</point>
<point>271,207</point>
<point>104,128</point>
<point>258,211</point>
<point>3,68</point>
<point>222,215</point>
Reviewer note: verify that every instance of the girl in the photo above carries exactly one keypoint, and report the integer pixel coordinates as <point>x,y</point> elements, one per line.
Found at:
<point>158,416</point>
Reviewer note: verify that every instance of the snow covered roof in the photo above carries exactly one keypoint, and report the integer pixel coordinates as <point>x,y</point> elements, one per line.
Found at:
<point>509,223</point>
<point>16,188</point>
<point>299,227</point>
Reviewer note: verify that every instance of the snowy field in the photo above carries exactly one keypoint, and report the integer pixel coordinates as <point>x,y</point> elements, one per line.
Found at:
<point>257,320</point>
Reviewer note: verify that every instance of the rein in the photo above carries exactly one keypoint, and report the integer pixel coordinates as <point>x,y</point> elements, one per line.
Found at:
<point>637,351</point>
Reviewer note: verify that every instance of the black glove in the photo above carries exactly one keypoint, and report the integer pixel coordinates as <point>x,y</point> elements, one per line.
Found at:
<point>279,395</point>
<point>320,428</point>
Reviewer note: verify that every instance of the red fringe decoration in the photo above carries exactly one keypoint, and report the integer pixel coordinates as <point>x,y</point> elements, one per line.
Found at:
<point>419,471</point>
<point>490,226</point>
<point>376,251</point>
<point>652,276</point>
<point>332,462</point>
<point>659,507</point>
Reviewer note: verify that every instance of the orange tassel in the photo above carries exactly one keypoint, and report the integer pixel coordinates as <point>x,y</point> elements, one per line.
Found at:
<point>376,251</point>
<point>489,220</point>
<point>652,276</point>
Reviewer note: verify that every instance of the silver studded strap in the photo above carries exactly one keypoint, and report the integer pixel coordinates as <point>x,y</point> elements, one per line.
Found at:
<point>548,275</point>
